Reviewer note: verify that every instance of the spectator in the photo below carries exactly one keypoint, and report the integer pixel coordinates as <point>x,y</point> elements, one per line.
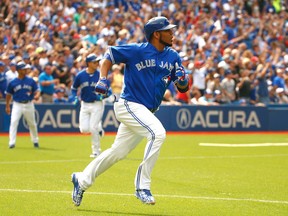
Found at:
<point>43,58</point>
<point>199,74</point>
<point>262,83</point>
<point>69,58</point>
<point>168,99</point>
<point>281,97</point>
<point>47,84</point>
<point>228,87</point>
<point>207,99</point>
<point>58,97</point>
<point>196,94</point>
<point>61,70</point>
<point>286,85</point>
<point>12,73</point>
<point>278,81</point>
<point>244,87</point>
<point>218,97</point>
<point>116,79</point>
<point>3,81</point>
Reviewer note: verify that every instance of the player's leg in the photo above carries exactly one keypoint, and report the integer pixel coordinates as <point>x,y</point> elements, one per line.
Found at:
<point>84,118</point>
<point>145,124</point>
<point>101,129</point>
<point>29,115</point>
<point>96,110</point>
<point>125,141</point>
<point>16,114</point>
<point>100,126</point>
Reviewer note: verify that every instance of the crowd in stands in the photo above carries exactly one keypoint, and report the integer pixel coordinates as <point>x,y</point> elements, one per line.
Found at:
<point>235,51</point>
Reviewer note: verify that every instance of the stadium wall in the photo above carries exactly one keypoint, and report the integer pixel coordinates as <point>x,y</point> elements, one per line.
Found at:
<point>64,118</point>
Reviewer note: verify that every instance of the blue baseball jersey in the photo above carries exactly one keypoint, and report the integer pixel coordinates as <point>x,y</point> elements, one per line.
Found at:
<point>86,82</point>
<point>22,89</point>
<point>148,72</point>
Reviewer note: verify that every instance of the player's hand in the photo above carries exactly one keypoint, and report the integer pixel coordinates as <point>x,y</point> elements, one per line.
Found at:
<point>181,75</point>
<point>180,72</point>
<point>102,86</point>
<point>76,102</point>
<point>109,93</point>
<point>8,110</point>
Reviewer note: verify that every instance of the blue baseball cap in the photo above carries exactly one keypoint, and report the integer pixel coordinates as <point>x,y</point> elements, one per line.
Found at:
<point>2,64</point>
<point>20,65</point>
<point>92,58</point>
<point>59,90</point>
<point>227,72</point>
<point>13,63</point>
<point>26,56</point>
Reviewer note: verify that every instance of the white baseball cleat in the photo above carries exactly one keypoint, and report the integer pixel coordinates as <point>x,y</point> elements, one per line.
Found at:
<point>145,196</point>
<point>77,193</point>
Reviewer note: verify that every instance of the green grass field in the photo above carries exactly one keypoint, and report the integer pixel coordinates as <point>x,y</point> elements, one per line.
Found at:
<point>188,179</point>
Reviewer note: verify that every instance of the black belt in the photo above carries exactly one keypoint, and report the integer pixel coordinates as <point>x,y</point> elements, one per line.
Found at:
<point>89,101</point>
<point>24,102</point>
<point>153,110</point>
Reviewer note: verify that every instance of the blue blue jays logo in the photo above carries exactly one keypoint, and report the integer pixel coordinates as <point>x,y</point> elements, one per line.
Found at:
<point>166,80</point>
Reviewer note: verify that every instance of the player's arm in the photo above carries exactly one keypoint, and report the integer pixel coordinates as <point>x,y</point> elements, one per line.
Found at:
<point>8,100</point>
<point>105,67</point>
<point>74,91</point>
<point>37,95</point>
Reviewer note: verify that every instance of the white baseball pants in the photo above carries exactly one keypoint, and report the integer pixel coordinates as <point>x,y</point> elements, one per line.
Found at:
<point>90,118</point>
<point>137,122</point>
<point>28,111</point>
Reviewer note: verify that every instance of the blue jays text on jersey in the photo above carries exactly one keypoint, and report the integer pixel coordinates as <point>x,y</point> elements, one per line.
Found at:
<point>152,63</point>
<point>22,89</point>
<point>86,82</point>
<point>153,70</point>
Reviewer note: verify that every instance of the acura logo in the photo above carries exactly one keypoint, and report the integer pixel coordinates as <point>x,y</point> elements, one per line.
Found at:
<point>183,118</point>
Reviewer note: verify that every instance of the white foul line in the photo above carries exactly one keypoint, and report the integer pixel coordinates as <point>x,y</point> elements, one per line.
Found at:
<point>161,158</point>
<point>242,144</point>
<point>159,195</point>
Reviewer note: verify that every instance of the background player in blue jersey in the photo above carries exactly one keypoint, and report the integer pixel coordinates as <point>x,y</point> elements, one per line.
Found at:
<point>92,106</point>
<point>23,90</point>
<point>150,68</point>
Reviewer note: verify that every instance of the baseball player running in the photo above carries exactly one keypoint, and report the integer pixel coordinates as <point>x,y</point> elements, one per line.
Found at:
<point>92,106</point>
<point>23,90</point>
<point>150,68</point>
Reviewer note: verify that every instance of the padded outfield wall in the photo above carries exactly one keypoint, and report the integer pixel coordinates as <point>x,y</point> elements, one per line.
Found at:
<point>64,118</point>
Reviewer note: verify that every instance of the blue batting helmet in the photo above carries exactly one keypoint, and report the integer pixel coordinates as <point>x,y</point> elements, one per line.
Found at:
<point>156,24</point>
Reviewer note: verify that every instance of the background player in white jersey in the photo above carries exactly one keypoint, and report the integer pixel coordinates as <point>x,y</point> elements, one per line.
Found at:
<point>150,68</point>
<point>23,89</point>
<point>92,106</point>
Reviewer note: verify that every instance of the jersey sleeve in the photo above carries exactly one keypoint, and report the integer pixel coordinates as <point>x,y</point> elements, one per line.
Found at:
<point>121,54</point>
